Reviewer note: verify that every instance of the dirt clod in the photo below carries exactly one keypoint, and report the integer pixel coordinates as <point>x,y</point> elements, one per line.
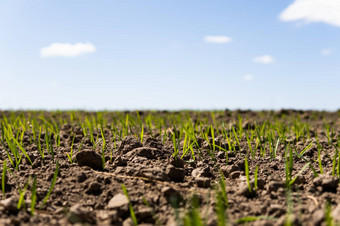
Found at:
<point>155,173</point>
<point>273,186</point>
<point>203,182</point>
<point>176,162</point>
<point>147,152</point>
<point>94,188</point>
<point>144,214</point>
<point>244,190</point>
<point>175,174</point>
<point>276,210</point>
<point>89,158</point>
<point>81,177</point>
<point>327,182</point>
<point>227,170</point>
<point>202,172</point>
<point>128,144</point>
<point>171,194</point>
<point>235,174</point>
<point>120,161</point>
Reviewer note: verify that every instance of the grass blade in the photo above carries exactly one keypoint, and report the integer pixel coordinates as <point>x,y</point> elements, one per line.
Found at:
<point>33,195</point>
<point>52,184</point>
<point>132,212</point>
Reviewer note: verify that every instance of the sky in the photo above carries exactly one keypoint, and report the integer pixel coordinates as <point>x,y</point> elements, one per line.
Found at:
<point>169,54</point>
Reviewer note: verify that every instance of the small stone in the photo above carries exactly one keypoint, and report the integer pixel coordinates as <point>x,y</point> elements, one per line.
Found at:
<point>80,214</point>
<point>89,158</point>
<point>103,215</point>
<point>128,222</point>
<point>175,174</point>
<point>119,201</point>
<point>203,182</point>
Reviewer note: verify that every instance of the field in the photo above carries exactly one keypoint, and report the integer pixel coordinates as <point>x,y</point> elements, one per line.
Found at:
<point>170,168</point>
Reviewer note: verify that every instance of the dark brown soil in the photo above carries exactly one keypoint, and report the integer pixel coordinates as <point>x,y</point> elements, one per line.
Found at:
<point>161,188</point>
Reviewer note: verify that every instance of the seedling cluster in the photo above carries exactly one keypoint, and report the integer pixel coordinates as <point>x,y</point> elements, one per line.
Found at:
<point>296,149</point>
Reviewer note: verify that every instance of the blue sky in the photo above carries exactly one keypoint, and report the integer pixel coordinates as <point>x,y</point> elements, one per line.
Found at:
<point>169,54</point>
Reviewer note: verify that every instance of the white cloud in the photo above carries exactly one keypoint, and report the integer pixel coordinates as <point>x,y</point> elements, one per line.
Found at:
<point>265,59</point>
<point>67,49</point>
<point>218,39</point>
<point>326,11</point>
<point>248,77</point>
<point>326,52</point>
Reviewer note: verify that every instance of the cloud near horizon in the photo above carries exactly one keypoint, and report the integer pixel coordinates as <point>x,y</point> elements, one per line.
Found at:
<point>217,39</point>
<point>326,11</point>
<point>67,49</point>
<point>265,59</point>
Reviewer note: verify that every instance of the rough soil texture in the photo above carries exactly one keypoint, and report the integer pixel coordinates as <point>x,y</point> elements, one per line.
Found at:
<point>161,188</point>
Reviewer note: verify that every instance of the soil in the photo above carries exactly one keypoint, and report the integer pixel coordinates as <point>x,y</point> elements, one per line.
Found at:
<point>162,188</point>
